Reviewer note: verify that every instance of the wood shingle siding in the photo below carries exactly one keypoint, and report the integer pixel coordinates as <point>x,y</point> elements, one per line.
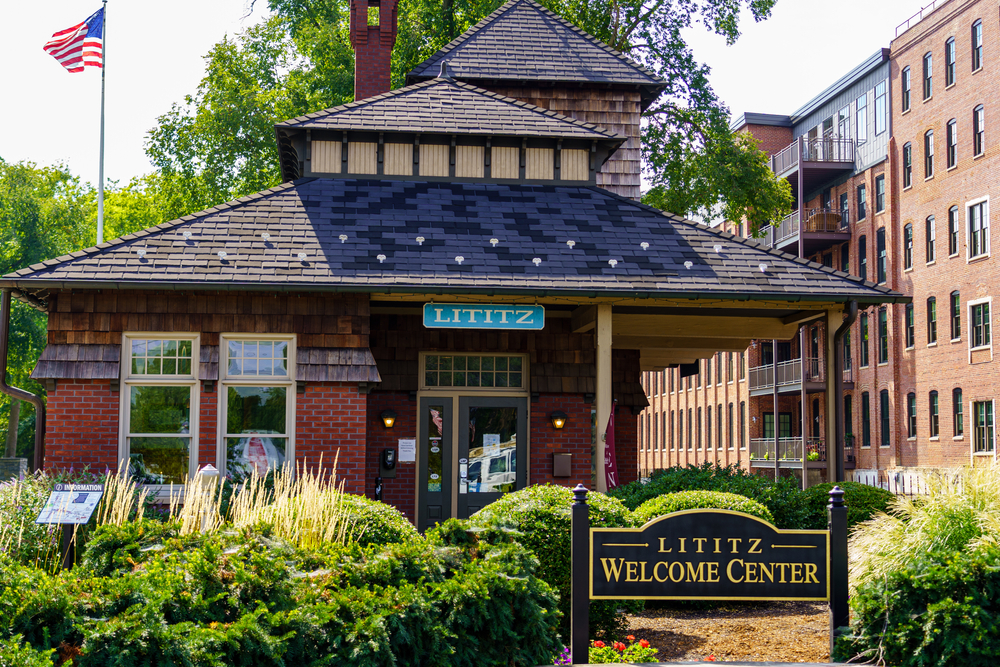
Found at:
<point>78,362</point>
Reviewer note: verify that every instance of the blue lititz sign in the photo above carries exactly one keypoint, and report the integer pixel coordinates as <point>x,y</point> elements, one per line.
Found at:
<point>475,316</point>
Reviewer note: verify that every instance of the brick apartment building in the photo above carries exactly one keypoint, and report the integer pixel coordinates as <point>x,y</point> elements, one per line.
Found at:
<point>876,197</point>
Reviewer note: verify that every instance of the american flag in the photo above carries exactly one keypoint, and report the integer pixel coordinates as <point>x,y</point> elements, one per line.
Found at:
<point>80,46</point>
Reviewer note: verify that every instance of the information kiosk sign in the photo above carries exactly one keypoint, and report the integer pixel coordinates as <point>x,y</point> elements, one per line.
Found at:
<point>71,503</point>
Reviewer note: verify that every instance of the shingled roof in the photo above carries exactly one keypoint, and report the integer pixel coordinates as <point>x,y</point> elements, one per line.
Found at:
<point>405,236</point>
<point>446,106</point>
<point>523,41</point>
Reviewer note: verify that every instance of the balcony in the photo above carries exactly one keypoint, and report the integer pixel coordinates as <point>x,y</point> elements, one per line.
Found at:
<point>808,162</point>
<point>789,452</point>
<point>790,374</point>
<point>821,228</point>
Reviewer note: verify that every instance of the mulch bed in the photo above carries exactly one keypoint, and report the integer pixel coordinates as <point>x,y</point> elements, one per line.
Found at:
<point>772,631</point>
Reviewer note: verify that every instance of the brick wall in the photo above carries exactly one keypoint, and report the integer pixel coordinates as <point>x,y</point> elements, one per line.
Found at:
<point>82,426</point>
<point>626,445</point>
<point>575,438</point>
<point>400,491</point>
<point>330,422</point>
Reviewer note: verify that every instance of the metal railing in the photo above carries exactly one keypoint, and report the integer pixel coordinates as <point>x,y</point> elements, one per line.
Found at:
<point>788,372</point>
<point>848,371</point>
<point>819,149</point>
<point>788,449</point>
<point>816,220</point>
<point>918,17</point>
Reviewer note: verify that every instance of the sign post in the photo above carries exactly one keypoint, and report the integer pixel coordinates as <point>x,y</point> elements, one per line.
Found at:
<point>840,613</point>
<point>580,601</point>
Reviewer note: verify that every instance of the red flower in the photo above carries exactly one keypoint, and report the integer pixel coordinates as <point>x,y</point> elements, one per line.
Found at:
<point>598,644</point>
<point>643,643</point>
<point>710,658</point>
<point>631,638</point>
<point>619,646</point>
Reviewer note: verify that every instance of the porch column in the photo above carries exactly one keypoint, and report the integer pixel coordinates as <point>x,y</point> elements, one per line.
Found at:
<point>602,343</point>
<point>833,320</point>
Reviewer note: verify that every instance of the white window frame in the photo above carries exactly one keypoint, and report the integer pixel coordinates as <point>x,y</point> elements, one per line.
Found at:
<point>226,381</point>
<point>968,228</point>
<point>971,324</point>
<point>128,381</point>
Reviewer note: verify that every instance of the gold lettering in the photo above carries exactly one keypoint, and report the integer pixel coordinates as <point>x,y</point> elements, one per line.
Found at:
<point>796,573</point>
<point>717,540</point>
<point>642,572</point>
<point>752,573</point>
<point>630,573</point>
<point>782,566</point>
<point>681,550</point>
<point>701,542</point>
<point>729,571</point>
<point>611,569</point>
<point>663,541</point>
<point>754,546</point>
<point>656,569</point>
<point>766,569</point>
<point>713,573</point>
<point>734,542</point>
<point>696,575</point>
<point>811,574</point>
<point>679,577</point>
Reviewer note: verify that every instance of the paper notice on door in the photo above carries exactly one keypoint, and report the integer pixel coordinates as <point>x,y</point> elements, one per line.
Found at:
<point>407,450</point>
<point>491,444</point>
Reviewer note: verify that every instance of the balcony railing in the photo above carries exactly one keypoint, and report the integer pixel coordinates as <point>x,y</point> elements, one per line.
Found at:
<point>819,149</point>
<point>848,371</point>
<point>816,220</point>
<point>788,449</point>
<point>789,373</point>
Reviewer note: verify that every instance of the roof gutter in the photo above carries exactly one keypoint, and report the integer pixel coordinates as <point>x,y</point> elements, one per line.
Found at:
<point>15,393</point>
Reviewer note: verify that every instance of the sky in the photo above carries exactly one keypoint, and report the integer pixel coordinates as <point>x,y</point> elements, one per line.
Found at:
<point>155,58</point>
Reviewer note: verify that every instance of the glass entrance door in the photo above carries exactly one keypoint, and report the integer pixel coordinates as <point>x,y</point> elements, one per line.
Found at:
<point>492,450</point>
<point>435,452</point>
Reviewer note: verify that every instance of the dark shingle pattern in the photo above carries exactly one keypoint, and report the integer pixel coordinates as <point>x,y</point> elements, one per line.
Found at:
<point>343,225</point>
<point>447,106</point>
<point>523,41</point>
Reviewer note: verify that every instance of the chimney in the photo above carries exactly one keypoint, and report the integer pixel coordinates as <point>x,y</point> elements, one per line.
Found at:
<point>373,34</point>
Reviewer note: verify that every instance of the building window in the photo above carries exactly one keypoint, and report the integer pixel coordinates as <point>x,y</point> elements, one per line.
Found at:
<point>680,429</point>
<point>729,366</point>
<point>743,424</point>
<point>743,366</point>
<point>862,118</point>
<point>863,257</point>
<point>982,434</point>
<point>908,246</point>
<point>979,230</point>
<point>848,416</point>
<point>953,231</point>
<point>883,336</point>
<point>911,415</point>
<point>977,45</point>
<point>930,235</point>
<point>159,408</point>
<point>847,350</point>
<point>493,371</point>
<point>907,164</point>
<point>978,130</point>
<point>884,435</point>
<point>690,428</point>
<point>951,139</point>
<point>672,443</point>
<point>670,373</point>
<point>928,75</point>
<point>929,153</point>
<point>844,123</point>
<point>845,209</point>
<point>949,62</point>
<point>866,420</point>
<point>732,442</point>
<point>880,247</point>
<point>708,427</point>
<point>905,89</point>
<point>931,320</point>
<point>932,421</point>
<point>980,316</point>
<point>718,430</point>
<point>956,315</point>
<point>698,430</point>
<point>864,340</point>
<point>861,202</point>
<point>845,257</point>
<point>661,445</point>
<point>259,403</point>
<point>910,328</point>
<point>957,415</point>
<point>880,193</point>
<point>880,123</point>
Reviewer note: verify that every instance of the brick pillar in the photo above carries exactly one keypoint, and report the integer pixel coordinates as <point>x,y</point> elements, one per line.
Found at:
<point>372,46</point>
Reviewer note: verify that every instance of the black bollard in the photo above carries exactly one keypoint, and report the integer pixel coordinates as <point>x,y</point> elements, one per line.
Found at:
<point>840,613</point>
<point>580,590</point>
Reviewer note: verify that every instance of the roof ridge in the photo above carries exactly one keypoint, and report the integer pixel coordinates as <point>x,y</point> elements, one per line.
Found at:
<point>396,92</point>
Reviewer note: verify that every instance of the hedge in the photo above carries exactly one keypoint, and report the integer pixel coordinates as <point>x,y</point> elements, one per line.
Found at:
<point>863,502</point>
<point>689,500</point>
<point>375,522</point>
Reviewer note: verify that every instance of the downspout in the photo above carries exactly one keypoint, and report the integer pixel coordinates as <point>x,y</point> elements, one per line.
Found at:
<point>14,392</point>
<point>838,369</point>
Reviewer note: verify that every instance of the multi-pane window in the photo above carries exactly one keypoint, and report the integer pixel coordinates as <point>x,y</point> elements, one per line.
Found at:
<point>672,443</point>
<point>845,258</point>
<point>729,430</point>
<point>951,139</point>
<point>845,209</point>
<point>680,429</point>
<point>708,427</point>
<point>690,427</point>
<point>259,391</point>
<point>931,320</point>
<point>928,75</point>
<point>866,420</point>
<point>982,426</point>
<point>743,366</point>
<point>848,417</point>
<point>880,108</point>
<point>907,164</point>
<point>446,370</point>
<point>863,257</point>
<point>905,89</point>
<point>864,340</point>
<point>861,202</point>
<point>957,412</point>
<point>910,327</point>
<point>980,316</point>
<point>956,315</point>
<point>953,230</point>
<point>949,62</point>
<point>743,424</point>
<point>928,153</point>
<point>729,366</point>
<point>978,130</point>
<point>932,421</point>
<point>847,350</point>
<point>908,246</point>
<point>880,193</point>
<point>883,336</point>
<point>159,406</point>
<point>911,415</point>
<point>884,434</point>
<point>698,430</point>
<point>862,118</point>
<point>930,235</point>
<point>718,429</point>
<point>979,229</point>
<point>880,247</point>
<point>977,45</point>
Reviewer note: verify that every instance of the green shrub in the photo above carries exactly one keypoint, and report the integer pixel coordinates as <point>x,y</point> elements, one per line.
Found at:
<point>690,500</point>
<point>15,653</point>
<point>541,517</point>
<point>863,502</point>
<point>375,522</point>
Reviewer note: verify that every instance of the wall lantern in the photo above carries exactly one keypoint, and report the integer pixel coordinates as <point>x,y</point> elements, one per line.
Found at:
<point>388,418</point>
<point>558,419</point>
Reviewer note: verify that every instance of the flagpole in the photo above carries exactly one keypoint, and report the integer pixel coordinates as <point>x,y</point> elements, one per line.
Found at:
<point>100,171</point>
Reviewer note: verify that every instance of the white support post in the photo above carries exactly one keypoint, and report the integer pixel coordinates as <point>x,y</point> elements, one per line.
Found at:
<point>602,343</point>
